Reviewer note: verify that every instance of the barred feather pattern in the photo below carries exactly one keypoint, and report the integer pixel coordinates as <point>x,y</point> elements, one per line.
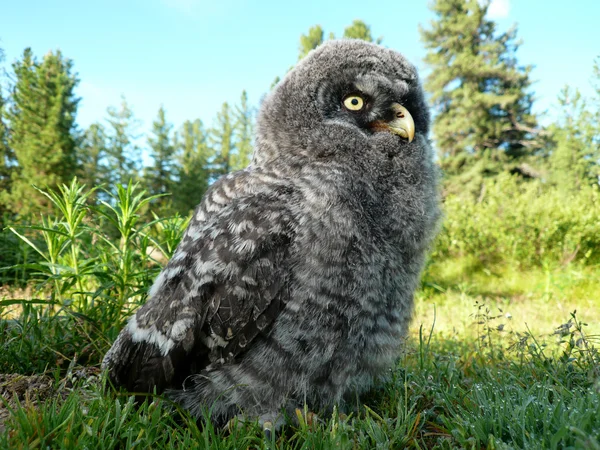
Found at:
<point>294,281</point>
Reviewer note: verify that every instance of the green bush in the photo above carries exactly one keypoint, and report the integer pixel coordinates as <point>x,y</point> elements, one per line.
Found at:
<point>524,223</point>
<point>94,266</point>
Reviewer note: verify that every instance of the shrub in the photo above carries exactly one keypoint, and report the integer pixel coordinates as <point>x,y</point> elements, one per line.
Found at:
<point>528,224</point>
<point>94,267</point>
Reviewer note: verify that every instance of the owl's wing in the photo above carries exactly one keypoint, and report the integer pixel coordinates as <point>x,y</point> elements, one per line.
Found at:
<point>224,285</point>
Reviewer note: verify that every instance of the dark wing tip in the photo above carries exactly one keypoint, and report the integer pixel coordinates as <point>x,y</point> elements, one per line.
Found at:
<point>140,367</point>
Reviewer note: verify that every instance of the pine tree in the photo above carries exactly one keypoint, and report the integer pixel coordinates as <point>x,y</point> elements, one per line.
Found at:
<point>7,159</point>
<point>596,86</point>
<point>42,128</point>
<point>193,172</point>
<point>310,41</point>
<point>575,156</point>
<point>315,36</point>
<point>122,154</point>
<point>221,138</point>
<point>479,92</point>
<point>243,131</point>
<point>596,76</point>
<point>92,156</point>
<point>360,30</point>
<point>160,177</point>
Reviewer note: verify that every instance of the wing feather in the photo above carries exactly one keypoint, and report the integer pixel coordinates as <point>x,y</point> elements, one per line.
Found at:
<point>223,287</point>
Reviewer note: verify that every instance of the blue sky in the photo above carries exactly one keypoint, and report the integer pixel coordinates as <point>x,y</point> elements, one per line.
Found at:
<point>192,55</point>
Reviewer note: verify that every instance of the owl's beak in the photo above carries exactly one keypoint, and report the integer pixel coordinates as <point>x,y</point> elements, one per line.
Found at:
<point>402,124</point>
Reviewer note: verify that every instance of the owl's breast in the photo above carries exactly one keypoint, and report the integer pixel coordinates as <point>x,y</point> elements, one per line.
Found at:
<point>348,279</point>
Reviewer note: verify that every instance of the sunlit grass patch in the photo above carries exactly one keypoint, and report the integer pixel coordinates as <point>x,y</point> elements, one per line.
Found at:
<point>534,299</point>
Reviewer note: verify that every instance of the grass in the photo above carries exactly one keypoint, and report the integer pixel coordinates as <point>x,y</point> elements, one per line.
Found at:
<point>537,298</point>
<point>498,355</point>
<point>514,391</point>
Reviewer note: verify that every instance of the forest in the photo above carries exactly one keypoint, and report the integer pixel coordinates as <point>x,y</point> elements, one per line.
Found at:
<point>503,350</point>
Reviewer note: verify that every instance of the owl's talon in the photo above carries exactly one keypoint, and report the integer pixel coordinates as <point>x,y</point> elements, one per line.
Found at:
<point>308,419</point>
<point>268,430</point>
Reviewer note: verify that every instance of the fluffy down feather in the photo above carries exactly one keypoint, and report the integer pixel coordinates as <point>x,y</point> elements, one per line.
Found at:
<point>294,281</point>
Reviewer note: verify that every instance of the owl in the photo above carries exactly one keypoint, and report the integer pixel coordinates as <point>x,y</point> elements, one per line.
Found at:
<point>293,284</point>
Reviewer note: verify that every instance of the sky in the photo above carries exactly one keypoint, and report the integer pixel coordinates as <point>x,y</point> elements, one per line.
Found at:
<point>192,55</point>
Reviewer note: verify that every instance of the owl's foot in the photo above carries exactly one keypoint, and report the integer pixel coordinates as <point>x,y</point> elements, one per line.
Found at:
<point>271,427</point>
<point>306,418</point>
<point>270,423</point>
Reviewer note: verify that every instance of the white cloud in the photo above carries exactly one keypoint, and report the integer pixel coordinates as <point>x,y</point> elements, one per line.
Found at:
<point>498,9</point>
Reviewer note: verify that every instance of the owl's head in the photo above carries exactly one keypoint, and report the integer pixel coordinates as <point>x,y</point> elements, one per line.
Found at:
<point>345,95</point>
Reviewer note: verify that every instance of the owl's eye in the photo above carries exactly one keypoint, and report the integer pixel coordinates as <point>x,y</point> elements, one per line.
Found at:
<point>354,103</point>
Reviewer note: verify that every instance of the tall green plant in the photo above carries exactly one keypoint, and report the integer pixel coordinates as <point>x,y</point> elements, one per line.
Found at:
<point>63,264</point>
<point>124,257</point>
<point>96,263</point>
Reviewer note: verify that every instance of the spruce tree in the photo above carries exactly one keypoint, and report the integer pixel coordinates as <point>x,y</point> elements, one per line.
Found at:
<point>243,131</point>
<point>7,160</point>
<point>596,86</point>
<point>41,119</point>
<point>575,154</point>
<point>92,156</point>
<point>360,30</point>
<point>221,138</point>
<point>122,154</point>
<point>193,172</point>
<point>596,77</point>
<point>310,41</point>
<point>315,36</point>
<point>479,92</point>
<point>160,176</point>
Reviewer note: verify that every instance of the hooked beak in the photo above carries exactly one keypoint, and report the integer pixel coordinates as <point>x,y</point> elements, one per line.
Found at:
<point>402,124</point>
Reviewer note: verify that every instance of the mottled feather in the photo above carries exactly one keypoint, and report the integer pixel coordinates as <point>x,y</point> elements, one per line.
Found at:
<point>294,281</point>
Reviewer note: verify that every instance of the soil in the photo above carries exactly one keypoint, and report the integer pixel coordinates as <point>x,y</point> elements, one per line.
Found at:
<point>32,390</point>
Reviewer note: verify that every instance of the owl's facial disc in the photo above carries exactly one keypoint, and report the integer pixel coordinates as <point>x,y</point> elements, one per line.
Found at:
<point>402,124</point>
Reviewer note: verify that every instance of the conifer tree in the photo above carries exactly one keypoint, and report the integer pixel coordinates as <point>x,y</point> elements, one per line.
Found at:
<point>92,155</point>
<point>42,128</point>
<point>310,41</point>
<point>160,176</point>
<point>122,153</point>
<point>479,92</point>
<point>575,155</point>
<point>243,131</point>
<point>315,36</point>
<point>360,30</point>
<point>193,172</point>
<point>221,139</point>
<point>7,161</point>
<point>596,86</point>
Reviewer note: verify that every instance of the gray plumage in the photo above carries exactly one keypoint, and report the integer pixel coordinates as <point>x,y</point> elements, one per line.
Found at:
<point>294,281</point>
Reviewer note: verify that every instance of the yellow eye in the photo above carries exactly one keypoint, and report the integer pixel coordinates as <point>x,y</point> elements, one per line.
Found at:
<point>354,103</point>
